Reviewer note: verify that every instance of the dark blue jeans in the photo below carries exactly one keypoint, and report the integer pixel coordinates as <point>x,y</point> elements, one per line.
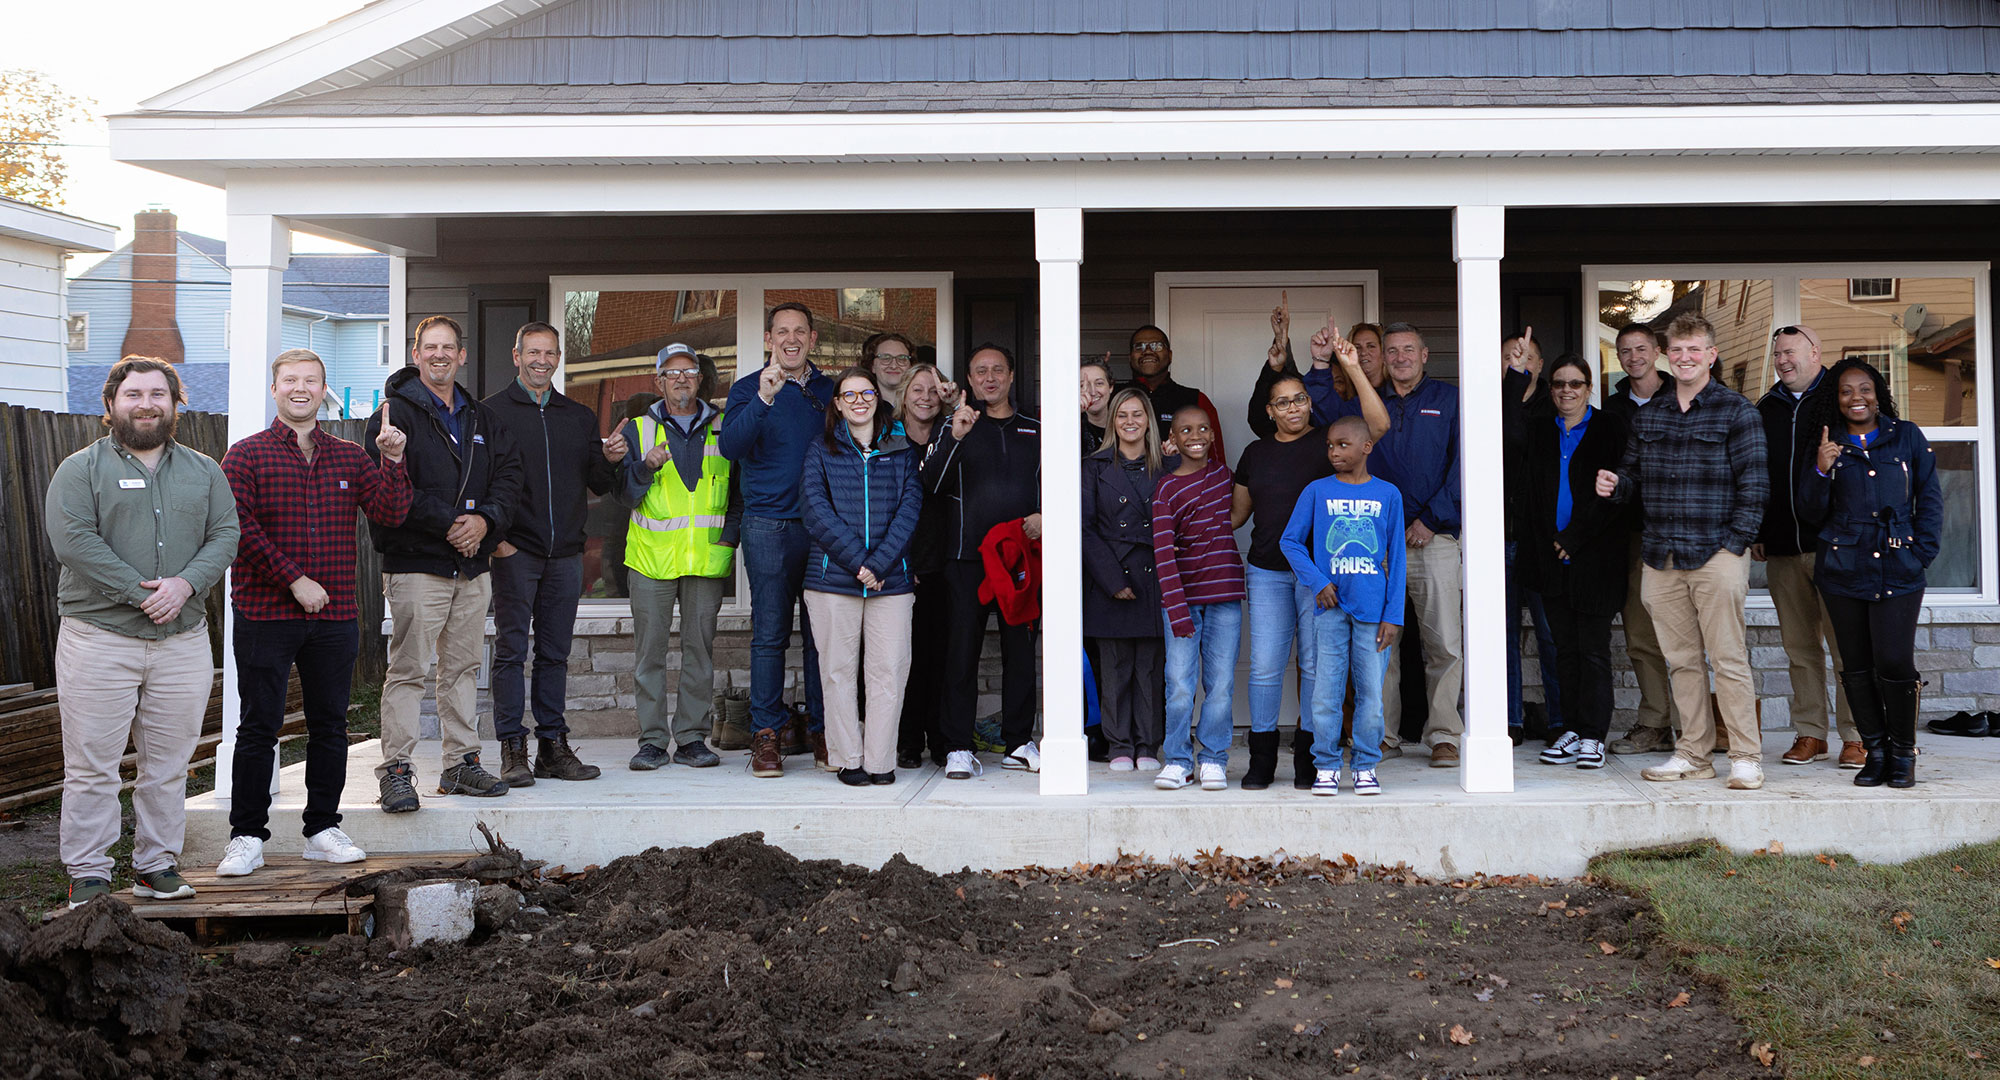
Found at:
<point>774,556</point>
<point>1518,597</point>
<point>528,589</point>
<point>266,649</point>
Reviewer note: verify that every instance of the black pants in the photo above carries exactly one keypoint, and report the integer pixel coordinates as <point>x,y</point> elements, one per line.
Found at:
<point>923,695</point>
<point>1131,694</point>
<point>528,589</point>
<point>1583,666</point>
<point>966,637</point>
<point>266,649</point>
<point>1877,635</point>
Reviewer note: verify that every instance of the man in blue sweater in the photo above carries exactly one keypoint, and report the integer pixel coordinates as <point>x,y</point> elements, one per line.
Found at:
<point>771,418</point>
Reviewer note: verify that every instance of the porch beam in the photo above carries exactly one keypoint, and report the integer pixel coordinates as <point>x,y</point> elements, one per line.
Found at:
<point>260,247</point>
<point>1059,250</point>
<point>1478,241</point>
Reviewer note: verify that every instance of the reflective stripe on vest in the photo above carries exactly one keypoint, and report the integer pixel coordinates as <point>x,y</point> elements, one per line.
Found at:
<point>676,532</point>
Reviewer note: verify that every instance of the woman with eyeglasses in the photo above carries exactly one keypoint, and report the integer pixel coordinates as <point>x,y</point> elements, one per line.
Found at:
<point>860,500</point>
<point>1571,543</point>
<point>1872,490</point>
<point>890,356</point>
<point>928,397</point>
<point>1121,591</point>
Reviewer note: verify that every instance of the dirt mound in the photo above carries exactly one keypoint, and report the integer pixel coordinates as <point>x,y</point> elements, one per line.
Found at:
<point>102,963</point>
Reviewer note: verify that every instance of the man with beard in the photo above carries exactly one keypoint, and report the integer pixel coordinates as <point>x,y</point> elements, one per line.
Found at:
<point>297,488</point>
<point>538,568</point>
<point>143,528</point>
<point>1152,356</point>
<point>465,482</point>
<point>680,546</point>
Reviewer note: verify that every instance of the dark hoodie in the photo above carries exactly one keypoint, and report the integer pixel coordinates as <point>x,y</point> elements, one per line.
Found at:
<point>477,473</point>
<point>562,459</point>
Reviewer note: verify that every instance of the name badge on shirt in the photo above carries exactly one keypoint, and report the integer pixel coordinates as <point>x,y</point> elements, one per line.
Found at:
<point>131,482</point>
<point>479,440</point>
<point>1430,412</point>
<point>343,485</point>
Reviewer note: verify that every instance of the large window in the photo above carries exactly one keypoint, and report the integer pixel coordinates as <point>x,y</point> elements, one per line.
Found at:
<point>1919,323</point>
<point>613,327</point>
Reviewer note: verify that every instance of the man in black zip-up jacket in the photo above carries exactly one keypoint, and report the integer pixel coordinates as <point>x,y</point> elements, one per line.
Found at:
<point>465,481</point>
<point>1788,551</point>
<point>538,567</point>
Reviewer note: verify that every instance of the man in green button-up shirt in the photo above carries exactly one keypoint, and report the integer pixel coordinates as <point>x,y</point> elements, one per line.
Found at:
<point>144,527</point>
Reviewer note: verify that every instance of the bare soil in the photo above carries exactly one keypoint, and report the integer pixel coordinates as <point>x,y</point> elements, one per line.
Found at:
<point>738,959</point>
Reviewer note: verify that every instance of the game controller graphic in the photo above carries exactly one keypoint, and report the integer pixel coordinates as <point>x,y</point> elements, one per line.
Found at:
<point>1350,530</point>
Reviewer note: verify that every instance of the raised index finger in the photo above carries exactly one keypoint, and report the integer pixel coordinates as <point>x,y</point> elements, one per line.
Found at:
<point>382,411</point>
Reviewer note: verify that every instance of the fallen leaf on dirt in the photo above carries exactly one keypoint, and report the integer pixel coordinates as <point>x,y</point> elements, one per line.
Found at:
<point>1418,973</point>
<point>1763,1053</point>
<point>1607,948</point>
<point>1459,1035</point>
<point>1680,1000</point>
<point>1777,847</point>
<point>1298,1029</point>
<point>1237,898</point>
<point>1282,984</point>
<point>959,892</point>
<point>1993,961</point>
<point>1865,1060</point>
<point>1498,981</point>
<point>1484,995</point>
<point>1349,859</point>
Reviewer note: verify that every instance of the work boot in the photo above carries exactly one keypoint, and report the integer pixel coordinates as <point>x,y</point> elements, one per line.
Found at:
<point>1899,726</point>
<point>765,759</point>
<point>514,766</point>
<point>731,729</point>
<point>399,789</point>
<point>1865,702</point>
<point>793,738</point>
<point>1263,760</point>
<point>467,778</point>
<point>1304,772</point>
<point>818,740</point>
<point>555,760</point>
<point>1644,740</point>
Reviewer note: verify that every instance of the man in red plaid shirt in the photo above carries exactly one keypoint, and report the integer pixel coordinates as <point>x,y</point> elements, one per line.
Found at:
<point>297,488</point>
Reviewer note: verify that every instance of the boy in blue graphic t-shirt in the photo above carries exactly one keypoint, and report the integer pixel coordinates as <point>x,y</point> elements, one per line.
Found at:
<point>1345,541</point>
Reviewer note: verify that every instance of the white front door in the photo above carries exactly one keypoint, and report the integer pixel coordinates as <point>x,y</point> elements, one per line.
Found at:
<point>1220,326</point>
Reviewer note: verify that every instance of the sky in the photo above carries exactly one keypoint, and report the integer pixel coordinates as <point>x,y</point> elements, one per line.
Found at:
<point>119,52</point>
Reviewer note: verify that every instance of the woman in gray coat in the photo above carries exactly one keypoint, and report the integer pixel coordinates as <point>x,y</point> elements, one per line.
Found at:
<point>1121,594</point>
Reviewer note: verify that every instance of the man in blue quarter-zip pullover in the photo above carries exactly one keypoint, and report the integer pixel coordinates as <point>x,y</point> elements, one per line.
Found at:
<point>538,566</point>
<point>772,416</point>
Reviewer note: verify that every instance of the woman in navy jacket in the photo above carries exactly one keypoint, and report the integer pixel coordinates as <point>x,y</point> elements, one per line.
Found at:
<point>1873,492</point>
<point>859,499</point>
<point>1121,593</point>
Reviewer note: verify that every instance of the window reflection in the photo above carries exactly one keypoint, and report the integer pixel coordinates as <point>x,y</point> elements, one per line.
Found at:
<point>1919,332</point>
<point>1740,309</point>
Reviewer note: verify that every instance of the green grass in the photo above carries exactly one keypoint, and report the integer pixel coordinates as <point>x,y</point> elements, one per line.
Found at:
<point>1837,963</point>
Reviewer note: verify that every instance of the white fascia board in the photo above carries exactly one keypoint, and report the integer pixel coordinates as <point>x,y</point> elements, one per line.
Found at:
<point>384,26</point>
<point>162,141</point>
<point>52,228</point>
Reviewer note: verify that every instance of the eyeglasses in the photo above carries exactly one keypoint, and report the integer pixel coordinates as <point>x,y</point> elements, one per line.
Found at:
<point>1293,402</point>
<point>853,396</point>
<point>1569,384</point>
<point>680,373</point>
<point>893,359</point>
<point>1150,347</point>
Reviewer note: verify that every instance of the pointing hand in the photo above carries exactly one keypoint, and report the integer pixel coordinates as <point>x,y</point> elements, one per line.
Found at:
<point>390,440</point>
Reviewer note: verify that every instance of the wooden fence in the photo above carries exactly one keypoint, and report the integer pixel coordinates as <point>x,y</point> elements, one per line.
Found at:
<point>32,444</point>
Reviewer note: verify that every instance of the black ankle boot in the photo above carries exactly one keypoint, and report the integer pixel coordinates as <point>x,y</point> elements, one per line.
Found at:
<point>1899,716</point>
<point>1865,703</point>
<point>1303,770</point>
<point>1263,760</point>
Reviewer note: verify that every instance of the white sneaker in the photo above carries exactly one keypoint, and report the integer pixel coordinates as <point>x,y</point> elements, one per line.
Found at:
<point>1746,774</point>
<point>1024,758</point>
<point>1172,778</point>
<point>1121,764</point>
<point>1589,754</point>
<point>1212,777</point>
<point>1366,784</point>
<point>244,854</point>
<point>1680,767</point>
<point>1326,782</point>
<point>962,765</point>
<point>1147,764</point>
<point>332,845</point>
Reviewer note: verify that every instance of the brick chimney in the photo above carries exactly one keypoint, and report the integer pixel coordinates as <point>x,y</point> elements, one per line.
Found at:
<point>155,266</point>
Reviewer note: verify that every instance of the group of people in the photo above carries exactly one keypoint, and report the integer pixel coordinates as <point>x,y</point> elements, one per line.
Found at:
<point>896,513</point>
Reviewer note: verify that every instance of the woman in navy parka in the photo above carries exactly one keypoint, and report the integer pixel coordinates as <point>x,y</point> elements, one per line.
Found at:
<point>860,498</point>
<point>1873,491</point>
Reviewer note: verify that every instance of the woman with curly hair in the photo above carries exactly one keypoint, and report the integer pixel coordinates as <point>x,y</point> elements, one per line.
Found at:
<point>1873,492</point>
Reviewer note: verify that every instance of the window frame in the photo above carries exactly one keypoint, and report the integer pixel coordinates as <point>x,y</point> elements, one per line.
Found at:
<point>1785,307</point>
<point>1895,289</point>
<point>750,290</point>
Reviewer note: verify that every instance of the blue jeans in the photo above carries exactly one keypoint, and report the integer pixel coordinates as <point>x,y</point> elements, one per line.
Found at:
<point>530,589</point>
<point>1347,648</point>
<point>1280,611</point>
<point>774,556</point>
<point>1210,653</point>
<point>1518,597</point>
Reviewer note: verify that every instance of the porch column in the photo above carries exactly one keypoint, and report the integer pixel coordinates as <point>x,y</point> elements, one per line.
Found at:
<point>259,248</point>
<point>1478,240</point>
<point>1065,759</point>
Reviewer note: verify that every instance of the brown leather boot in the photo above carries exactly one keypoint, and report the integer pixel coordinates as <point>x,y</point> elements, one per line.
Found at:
<point>765,760</point>
<point>514,767</point>
<point>819,752</point>
<point>794,739</point>
<point>555,760</point>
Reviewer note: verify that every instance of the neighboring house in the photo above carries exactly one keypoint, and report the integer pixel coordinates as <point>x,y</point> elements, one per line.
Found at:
<point>1051,175</point>
<point>35,328</point>
<point>167,294</point>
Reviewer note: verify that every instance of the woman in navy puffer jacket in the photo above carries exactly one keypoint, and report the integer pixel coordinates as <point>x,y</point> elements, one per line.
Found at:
<point>860,498</point>
<point>1873,491</point>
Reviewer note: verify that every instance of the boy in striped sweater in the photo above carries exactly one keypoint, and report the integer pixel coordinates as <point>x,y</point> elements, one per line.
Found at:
<point>1201,585</point>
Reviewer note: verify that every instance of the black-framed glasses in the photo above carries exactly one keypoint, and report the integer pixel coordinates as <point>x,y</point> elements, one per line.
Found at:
<point>1293,402</point>
<point>897,359</point>
<point>853,396</point>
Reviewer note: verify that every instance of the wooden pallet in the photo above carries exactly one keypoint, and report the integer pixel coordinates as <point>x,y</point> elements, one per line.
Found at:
<point>282,899</point>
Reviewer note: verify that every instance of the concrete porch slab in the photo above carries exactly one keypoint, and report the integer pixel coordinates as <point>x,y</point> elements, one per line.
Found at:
<point>1554,821</point>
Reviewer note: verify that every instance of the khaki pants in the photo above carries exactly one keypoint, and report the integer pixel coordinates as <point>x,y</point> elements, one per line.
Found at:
<point>1642,646</point>
<point>437,620</point>
<point>846,627</point>
<point>1436,591</point>
<point>1701,611</point>
<point>1808,637</point>
<point>109,688</point>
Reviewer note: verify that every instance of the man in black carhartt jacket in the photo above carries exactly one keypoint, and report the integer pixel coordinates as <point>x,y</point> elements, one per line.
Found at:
<point>538,567</point>
<point>465,481</point>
